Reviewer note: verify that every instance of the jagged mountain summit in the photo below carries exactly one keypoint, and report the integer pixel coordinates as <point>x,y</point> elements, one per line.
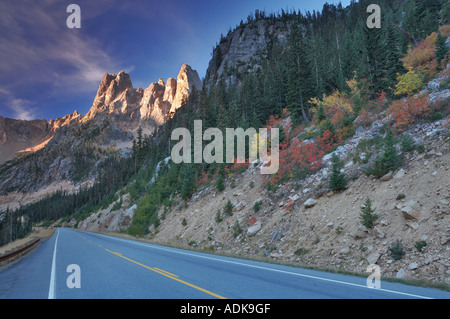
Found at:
<point>150,107</point>
<point>76,143</point>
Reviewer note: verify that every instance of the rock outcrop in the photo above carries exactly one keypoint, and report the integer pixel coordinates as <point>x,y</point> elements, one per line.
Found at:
<point>115,95</point>
<point>237,52</point>
<point>74,117</point>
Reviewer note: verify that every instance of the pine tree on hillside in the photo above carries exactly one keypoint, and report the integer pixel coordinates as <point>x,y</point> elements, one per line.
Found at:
<point>390,159</point>
<point>373,56</point>
<point>445,13</point>
<point>350,54</point>
<point>368,215</point>
<point>298,85</point>
<point>441,52</point>
<point>422,17</point>
<point>338,180</point>
<point>392,63</point>
<point>316,58</point>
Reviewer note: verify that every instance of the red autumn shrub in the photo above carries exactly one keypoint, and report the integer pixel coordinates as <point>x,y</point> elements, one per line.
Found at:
<point>407,112</point>
<point>252,220</point>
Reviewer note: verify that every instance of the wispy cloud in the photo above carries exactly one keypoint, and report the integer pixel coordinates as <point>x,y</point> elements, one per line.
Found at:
<point>23,109</point>
<point>19,108</point>
<point>39,53</point>
<point>35,38</point>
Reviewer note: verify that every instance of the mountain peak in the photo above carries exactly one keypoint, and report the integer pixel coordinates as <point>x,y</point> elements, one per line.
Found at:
<point>186,81</point>
<point>153,105</point>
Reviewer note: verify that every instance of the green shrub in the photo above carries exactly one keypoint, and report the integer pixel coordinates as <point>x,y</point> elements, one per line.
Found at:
<point>257,206</point>
<point>421,149</point>
<point>184,222</point>
<point>407,143</point>
<point>301,251</point>
<point>237,230</point>
<point>435,117</point>
<point>220,183</point>
<point>420,245</point>
<point>397,250</point>
<point>117,205</point>
<point>192,243</point>
<point>228,209</point>
<point>390,160</point>
<point>218,217</point>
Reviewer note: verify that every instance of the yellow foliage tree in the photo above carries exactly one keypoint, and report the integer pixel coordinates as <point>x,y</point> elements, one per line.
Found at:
<point>409,83</point>
<point>330,102</point>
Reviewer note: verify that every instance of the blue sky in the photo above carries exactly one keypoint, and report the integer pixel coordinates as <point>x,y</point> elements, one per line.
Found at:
<point>48,70</point>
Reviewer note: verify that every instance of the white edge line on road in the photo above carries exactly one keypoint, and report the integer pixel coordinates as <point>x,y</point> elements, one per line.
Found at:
<point>51,290</point>
<point>175,250</point>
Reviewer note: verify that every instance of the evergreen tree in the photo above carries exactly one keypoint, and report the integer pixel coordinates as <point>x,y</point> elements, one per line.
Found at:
<point>316,59</point>
<point>368,215</point>
<point>441,52</point>
<point>321,113</point>
<point>338,180</point>
<point>139,138</point>
<point>422,17</point>
<point>390,159</point>
<point>246,97</point>
<point>372,58</point>
<point>445,13</point>
<point>220,183</point>
<point>392,64</point>
<point>140,151</point>
<point>228,208</point>
<point>298,90</point>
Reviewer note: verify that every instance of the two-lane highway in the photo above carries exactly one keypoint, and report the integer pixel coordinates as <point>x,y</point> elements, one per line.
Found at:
<point>116,268</point>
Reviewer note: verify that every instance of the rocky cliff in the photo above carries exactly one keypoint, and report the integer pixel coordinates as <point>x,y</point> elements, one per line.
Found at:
<point>237,53</point>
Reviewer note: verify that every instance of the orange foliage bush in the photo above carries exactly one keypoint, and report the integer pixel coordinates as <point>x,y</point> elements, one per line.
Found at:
<point>364,118</point>
<point>407,112</point>
<point>423,57</point>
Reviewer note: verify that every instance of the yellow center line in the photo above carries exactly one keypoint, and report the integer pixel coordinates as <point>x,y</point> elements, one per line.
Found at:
<point>170,274</point>
<point>167,274</point>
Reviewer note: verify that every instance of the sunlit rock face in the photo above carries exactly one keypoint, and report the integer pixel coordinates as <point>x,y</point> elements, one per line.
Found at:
<point>150,107</point>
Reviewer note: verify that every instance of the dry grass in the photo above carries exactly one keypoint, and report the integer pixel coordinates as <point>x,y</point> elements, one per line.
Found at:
<point>37,232</point>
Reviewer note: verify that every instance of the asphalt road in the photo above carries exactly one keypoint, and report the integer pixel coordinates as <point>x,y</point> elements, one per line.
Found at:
<point>115,268</point>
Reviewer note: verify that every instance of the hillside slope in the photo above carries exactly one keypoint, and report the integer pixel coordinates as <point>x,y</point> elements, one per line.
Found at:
<point>330,234</point>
